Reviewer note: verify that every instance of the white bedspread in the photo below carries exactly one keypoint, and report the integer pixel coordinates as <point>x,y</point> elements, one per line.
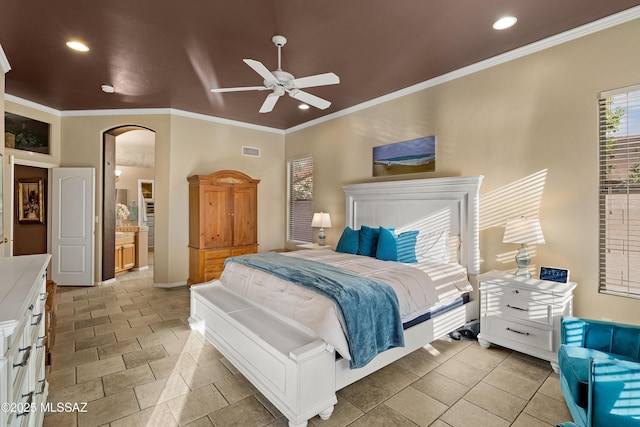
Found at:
<point>419,287</point>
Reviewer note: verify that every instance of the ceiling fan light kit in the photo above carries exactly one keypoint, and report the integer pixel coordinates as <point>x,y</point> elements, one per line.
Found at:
<point>281,82</point>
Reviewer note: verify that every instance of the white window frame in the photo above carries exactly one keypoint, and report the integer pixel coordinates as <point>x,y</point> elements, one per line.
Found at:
<point>299,222</point>
<point>619,191</point>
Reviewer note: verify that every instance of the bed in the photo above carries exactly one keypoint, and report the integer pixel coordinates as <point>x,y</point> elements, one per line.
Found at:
<point>299,370</point>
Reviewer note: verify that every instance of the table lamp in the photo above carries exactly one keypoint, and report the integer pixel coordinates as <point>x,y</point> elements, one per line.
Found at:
<point>322,220</point>
<point>525,231</point>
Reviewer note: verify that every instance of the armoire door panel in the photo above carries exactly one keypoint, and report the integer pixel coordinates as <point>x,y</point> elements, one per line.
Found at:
<point>245,207</point>
<point>216,224</point>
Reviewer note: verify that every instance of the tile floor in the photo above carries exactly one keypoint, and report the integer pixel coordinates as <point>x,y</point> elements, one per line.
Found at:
<point>126,349</point>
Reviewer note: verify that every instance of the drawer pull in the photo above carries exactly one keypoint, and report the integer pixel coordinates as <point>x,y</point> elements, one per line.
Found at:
<point>43,343</point>
<point>42,386</point>
<point>44,296</point>
<point>27,404</point>
<point>517,308</point>
<point>518,332</point>
<point>516,291</point>
<point>39,316</point>
<point>25,358</point>
<point>31,307</point>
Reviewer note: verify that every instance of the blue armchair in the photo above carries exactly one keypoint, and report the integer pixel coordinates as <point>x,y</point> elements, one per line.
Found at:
<point>600,372</point>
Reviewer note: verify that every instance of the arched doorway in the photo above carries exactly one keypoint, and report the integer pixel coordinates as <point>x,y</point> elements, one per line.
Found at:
<point>129,149</point>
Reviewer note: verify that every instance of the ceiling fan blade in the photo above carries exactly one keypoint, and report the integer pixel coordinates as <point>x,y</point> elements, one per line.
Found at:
<point>317,80</point>
<point>259,68</point>
<point>237,89</point>
<point>317,102</point>
<point>269,103</point>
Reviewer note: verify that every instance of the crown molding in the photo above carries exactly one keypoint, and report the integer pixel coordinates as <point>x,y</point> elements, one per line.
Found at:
<point>139,112</point>
<point>169,111</point>
<point>31,104</point>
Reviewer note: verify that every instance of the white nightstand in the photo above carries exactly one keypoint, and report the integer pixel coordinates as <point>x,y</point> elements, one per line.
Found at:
<point>313,246</point>
<point>523,314</point>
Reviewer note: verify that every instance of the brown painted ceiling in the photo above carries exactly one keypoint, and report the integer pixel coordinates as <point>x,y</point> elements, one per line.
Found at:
<point>168,53</point>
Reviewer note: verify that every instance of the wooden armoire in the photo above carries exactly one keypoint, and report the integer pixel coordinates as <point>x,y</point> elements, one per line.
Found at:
<point>223,221</point>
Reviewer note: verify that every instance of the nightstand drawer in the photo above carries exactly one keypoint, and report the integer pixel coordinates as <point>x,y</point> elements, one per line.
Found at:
<point>527,334</point>
<point>516,307</point>
<point>518,292</point>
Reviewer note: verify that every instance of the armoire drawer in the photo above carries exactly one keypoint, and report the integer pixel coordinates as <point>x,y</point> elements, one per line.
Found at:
<point>212,254</point>
<point>246,250</point>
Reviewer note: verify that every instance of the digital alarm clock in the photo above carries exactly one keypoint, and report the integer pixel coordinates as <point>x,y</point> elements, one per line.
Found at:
<point>554,274</point>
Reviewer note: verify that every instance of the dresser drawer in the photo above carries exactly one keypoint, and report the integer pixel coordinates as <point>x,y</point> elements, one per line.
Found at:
<point>244,250</point>
<point>19,356</point>
<point>516,307</point>
<point>524,333</point>
<point>216,265</point>
<point>213,254</point>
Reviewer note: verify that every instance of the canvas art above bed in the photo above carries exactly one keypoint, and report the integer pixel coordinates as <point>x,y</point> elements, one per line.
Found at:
<point>404,269</point>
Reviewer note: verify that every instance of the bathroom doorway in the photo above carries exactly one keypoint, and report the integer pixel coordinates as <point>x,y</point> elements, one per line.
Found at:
<point>129,155</point>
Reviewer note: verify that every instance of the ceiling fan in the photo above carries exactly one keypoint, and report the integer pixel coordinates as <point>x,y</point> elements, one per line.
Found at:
<point>281,82</point>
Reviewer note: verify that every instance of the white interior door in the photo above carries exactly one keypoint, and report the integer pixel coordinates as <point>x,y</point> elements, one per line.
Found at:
<point>72,226</point>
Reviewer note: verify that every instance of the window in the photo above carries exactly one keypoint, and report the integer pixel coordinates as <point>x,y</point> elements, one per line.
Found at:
<point>300,199</point>
<point>619,139</point>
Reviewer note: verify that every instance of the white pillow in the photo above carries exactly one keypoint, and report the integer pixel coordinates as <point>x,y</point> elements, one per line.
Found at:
<point>433,246</point>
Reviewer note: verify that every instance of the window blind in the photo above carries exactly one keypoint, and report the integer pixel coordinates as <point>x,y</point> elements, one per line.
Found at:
<point>300,200</point>
<point>619,158</point>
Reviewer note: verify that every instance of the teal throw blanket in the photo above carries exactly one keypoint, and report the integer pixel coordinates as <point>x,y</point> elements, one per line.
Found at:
<point>369,307</point>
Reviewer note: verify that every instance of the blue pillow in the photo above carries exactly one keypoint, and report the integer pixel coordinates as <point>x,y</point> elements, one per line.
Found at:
<point>400,248</point>
<point>407,246</point>
<point>368,241</point>
<point>349,241</point>
<point>387,249</point>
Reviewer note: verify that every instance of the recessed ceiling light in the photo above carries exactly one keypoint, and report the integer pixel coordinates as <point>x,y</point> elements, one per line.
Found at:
<point>107,88</point>
<point>505,22</point>
<point>78,46</point>
<point>303,106</point>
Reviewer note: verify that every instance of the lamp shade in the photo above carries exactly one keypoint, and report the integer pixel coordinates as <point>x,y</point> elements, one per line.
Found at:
<point>523,230</point>
<point>321,219</point>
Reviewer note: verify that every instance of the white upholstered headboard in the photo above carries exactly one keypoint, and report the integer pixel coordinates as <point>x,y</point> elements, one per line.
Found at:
<point>433,204</point>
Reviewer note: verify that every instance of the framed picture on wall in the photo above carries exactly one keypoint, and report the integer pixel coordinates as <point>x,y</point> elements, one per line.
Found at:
<point>31,200</point>
<point>415,156</point>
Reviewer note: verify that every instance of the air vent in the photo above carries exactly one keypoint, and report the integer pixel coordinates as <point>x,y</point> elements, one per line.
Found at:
<point>251,151</point>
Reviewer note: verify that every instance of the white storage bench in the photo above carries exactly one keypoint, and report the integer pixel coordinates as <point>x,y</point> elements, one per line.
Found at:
<point>293,369</point>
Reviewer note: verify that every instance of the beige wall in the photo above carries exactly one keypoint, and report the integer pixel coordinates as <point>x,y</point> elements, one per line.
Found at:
<point>200,148</point>
<point>184,146</point>
<point>529,126</point>
<point>129,179</point>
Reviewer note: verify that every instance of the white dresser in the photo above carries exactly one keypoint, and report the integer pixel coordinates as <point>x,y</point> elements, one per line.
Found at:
<point>23,292</point>
<point>523,314</point>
